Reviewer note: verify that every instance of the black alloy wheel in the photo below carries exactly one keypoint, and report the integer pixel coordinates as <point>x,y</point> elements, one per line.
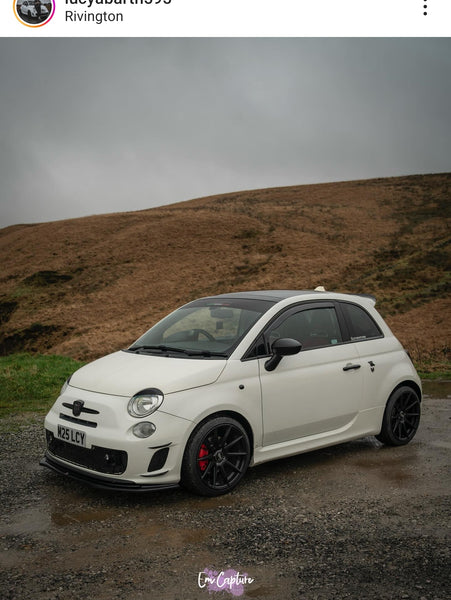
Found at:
<point>216,457</point>
<point>401,417</point>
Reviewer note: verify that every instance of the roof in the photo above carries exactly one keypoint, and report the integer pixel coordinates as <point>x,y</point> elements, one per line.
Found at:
<point>279,295</point>
<point>274,295</point>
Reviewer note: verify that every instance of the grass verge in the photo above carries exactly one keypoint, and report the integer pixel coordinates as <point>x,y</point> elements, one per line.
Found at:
<point>435,375</point>
<point>31,383</point>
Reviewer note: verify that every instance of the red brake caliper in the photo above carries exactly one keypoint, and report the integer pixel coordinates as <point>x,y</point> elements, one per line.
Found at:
<point>203,452</point>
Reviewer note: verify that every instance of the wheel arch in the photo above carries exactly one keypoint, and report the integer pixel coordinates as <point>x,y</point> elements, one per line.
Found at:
<point>406,428</point>
<point>411,384</point>
<point>234,415</point>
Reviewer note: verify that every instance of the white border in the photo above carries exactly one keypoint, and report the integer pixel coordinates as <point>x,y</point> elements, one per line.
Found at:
<point>246,18</point>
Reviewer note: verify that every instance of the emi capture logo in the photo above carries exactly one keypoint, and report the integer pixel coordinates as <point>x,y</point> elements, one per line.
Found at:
<point>230,581</point>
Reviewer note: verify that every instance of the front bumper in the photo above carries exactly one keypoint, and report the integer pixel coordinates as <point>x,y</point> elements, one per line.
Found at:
<point>104,451</point>
<point>102,482</point>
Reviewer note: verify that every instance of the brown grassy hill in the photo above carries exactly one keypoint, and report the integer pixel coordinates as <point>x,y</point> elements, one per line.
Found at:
<point>85,287</point>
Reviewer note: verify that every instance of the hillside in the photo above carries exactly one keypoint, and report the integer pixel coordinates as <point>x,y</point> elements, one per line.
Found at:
<point>85,287</point>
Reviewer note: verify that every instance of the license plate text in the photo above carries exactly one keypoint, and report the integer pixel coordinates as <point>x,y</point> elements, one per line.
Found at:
<point>73,436</point>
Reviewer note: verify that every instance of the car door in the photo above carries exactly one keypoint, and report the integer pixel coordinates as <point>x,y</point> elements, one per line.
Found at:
<point>317,390</point>
<point>377,353</point>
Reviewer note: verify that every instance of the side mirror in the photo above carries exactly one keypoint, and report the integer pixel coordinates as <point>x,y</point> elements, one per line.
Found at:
<point>280,348</point>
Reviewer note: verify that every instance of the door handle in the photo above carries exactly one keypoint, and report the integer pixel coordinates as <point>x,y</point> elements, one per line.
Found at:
<point>351,367</point>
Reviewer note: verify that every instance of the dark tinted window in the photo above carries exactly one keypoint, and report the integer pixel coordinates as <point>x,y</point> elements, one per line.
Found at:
<point>361,325</point>
<point>257,349</point>
<point>314,328</point>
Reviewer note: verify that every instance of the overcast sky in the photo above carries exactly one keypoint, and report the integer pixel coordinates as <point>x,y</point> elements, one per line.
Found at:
<point>90,126</point>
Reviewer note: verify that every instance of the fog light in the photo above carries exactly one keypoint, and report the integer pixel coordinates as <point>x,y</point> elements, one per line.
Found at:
<point>144,430</point>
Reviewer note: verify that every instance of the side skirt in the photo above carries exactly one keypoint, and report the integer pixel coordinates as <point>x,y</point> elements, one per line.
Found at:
<point>366,423</point>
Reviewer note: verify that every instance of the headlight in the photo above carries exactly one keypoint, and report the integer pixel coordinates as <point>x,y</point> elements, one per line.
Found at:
<point>144,403</point>
<point>65,384</point>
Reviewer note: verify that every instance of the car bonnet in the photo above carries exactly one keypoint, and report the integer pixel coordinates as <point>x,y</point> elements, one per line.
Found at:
<point>125,374</point>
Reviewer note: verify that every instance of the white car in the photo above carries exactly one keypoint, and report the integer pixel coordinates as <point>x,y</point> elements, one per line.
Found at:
<point>232,381</point>
<point>28,9</point>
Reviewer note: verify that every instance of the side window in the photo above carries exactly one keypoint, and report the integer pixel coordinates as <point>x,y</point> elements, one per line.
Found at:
<point>314,328</point>
<point>361,325</point>
<point>258,348</point>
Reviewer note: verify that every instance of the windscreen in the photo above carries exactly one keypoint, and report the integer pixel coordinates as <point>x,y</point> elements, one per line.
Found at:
<point>210,326</point>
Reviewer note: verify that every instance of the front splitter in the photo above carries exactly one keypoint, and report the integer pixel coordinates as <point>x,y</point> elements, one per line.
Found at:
<point>103,483</point>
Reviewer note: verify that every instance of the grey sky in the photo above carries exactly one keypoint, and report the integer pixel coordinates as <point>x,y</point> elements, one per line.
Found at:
<point>90,126</point>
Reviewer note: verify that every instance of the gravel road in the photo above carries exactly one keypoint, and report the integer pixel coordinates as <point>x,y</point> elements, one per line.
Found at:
<point>358,521</point>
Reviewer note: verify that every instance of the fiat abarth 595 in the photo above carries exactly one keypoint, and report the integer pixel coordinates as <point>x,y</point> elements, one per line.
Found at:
<point>231,381</point>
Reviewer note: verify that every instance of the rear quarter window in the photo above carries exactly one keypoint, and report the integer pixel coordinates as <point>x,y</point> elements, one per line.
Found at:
<point>361,325</point>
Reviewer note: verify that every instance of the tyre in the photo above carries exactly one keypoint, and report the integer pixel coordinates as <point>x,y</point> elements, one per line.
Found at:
<point>401,417</point>
<point>216,457</point>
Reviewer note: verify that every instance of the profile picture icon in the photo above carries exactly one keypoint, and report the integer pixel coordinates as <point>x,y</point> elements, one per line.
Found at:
<point>34,13</point>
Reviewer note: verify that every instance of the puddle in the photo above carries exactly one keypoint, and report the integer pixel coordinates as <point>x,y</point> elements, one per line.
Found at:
<point>387,467</point>
<point>208,503</point>
<point>383,459</point>
<point>32,520</point>
<point>437,389</point>
<point>62,519</point>
<point>162,534</point>
<point>442,444</point>
<point>39,519</point>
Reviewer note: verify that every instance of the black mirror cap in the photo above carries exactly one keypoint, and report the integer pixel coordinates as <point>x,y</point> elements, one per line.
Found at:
<point>286,347</point>
<point>282,347</point>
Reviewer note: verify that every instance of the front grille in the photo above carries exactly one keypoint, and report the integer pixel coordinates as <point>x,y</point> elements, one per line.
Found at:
<point>103,460</point>
<point>77,420</point>
<point>77,407</point>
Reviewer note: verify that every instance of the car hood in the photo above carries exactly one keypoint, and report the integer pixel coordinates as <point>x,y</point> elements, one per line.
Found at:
<point>125,374</point>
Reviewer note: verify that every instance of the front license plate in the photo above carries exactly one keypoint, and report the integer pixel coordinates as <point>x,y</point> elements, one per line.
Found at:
<point>73,436</point>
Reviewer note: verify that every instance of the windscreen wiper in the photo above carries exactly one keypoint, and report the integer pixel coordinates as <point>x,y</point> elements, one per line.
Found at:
<point>164,348</point>
<point>207,353</point>
<point>160,347</point>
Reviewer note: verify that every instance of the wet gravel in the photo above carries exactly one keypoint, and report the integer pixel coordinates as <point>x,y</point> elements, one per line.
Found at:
<point>357,521</point>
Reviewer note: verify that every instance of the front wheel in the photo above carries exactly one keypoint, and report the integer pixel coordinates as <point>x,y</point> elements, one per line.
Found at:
<point>216,457</point>
<point>401,417</point>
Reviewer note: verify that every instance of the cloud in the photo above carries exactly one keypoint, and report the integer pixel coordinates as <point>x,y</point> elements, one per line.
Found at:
<point>100,125</point>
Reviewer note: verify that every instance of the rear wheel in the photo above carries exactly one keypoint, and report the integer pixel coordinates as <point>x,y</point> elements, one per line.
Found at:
<point>401,417</point>
<point>216,457</point>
